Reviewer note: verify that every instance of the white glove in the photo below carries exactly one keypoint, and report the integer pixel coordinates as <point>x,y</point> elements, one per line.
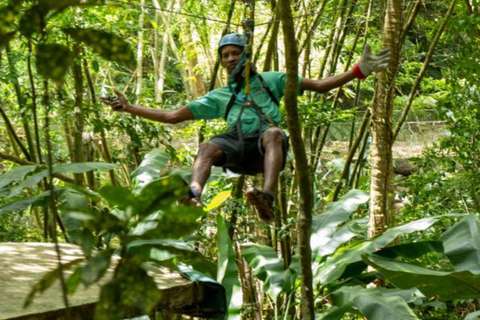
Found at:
<point>371,63</point>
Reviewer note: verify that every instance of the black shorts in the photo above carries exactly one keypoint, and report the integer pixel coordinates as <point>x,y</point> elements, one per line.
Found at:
<point>251,160</point>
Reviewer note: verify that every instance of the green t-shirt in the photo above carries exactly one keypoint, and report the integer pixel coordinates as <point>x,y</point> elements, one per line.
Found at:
<point>214,104</point>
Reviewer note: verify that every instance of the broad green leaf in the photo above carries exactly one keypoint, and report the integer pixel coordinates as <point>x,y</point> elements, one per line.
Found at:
<point>411,250</point>
<point>334,313</point>
<point>473,316</point>
<point>160,194</point>
<point>32,180</point>
<point>120,197</point>
<point>107,45</point>
<point>227,272</point>
<point>336,265</point>
<point>53,60</point>
<point>445,285</point>
<point>325,225</point>
<point>96,267</point>
<point>82,167</point>
<point>462,244</point>
<point>16,174</point>
<point>23,204</point>
<point>150,168</point>
<point>48,279</point>
<point>176,247</point>
<point>174,223</point>
<point>269,268</point>
<point>373,304</point>
<point>218,200</point>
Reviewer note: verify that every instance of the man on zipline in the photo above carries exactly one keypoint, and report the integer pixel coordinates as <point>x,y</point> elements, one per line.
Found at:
<point>253,144</point>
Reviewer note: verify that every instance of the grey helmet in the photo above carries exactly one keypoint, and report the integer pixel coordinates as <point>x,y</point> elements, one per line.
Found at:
<point>231,39</point>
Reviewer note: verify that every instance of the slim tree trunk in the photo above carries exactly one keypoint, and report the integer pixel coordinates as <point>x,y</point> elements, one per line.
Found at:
<point>304,220</point>
<point>381,193</point>
<point>138,89</point>
<point>78,119</point>
<point>22,107</point>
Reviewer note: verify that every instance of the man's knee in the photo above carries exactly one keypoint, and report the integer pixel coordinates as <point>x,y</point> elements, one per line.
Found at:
<point>273,136</point>
<point>210,151</point>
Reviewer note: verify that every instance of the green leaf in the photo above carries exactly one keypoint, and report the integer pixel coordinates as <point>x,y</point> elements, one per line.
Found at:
<point>462,244</point>
<point>173,223</point>
<point>96,267</point>
<point>131,288</point>
<point>445,285</point>
<point>473,316</point>
<point>107,45</point>
<point>48,279</point>
<point>160,195</point>
<point>150,168</point>
<point>7,22</point>
<point>23,204</point>
<point>120,197</point>
<point>335,266</point>
<point>82,167</point>
<point>227,272</point>
<point>218,200</point>
<point>325,225</point>
<point>16,174</point>
<point>411,250</point>
<point>74,280</point>
<point>268,267</point>
<point>158,247</point>
<point>372,304</point>
<point>53,60</point>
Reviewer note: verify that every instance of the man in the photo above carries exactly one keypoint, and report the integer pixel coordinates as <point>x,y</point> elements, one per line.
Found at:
<point>253,144</point>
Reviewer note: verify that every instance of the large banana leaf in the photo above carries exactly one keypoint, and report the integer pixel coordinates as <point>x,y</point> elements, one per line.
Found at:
<point>445,285</point>
<point>325,225</point>
<point>371,303</point>
<point>335,266</point>
<point>270,269</point>
<point>227,272</point>
<point>462,244</point>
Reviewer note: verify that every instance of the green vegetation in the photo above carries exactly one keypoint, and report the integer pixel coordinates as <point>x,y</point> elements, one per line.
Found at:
<point>72,170</point>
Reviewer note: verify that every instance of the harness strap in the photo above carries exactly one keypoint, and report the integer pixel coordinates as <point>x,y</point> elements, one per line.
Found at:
<point>238,88</point>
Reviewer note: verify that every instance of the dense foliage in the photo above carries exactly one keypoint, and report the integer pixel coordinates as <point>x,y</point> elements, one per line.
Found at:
<point>73,170</point>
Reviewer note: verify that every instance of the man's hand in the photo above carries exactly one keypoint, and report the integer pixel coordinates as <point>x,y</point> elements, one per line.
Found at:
<point>371,62</point>
<point>118,103</point>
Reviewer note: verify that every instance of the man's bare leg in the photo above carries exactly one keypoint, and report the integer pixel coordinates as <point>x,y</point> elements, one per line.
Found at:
<point>208,154</point>
<point>272,142</point>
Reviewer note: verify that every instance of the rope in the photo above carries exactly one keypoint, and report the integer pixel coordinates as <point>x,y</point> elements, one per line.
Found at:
<point>200,17</point>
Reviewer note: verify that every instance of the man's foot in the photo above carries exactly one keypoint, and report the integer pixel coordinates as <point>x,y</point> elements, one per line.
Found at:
<point>263,203</point>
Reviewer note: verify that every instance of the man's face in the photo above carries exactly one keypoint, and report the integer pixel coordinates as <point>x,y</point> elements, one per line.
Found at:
<point>230,56</point>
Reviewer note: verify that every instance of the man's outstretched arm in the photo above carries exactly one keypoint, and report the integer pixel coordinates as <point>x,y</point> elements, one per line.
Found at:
<point>165,116</point>
<point>369,63</point>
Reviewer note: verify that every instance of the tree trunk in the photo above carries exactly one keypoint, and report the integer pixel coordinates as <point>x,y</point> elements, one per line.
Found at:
<point>78,119</point>
<point>304,221</point>
<point>381,193</point>
<point>138,89</point>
